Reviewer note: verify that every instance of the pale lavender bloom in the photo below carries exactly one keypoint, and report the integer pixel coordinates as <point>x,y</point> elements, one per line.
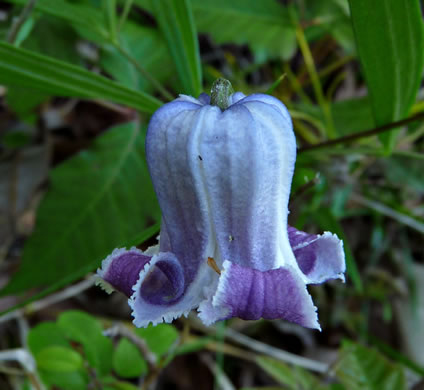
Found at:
<point>223,181</point>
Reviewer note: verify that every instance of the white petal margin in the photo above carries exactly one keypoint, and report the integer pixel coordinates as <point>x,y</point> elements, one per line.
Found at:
<point>320,257</point>
<point>99,277</point>
<point>145,312</point>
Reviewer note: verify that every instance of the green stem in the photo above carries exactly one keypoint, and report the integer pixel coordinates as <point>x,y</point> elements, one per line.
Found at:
<point>363,134</point>
<point>144,73</point>
<point>316,84</point>
<point>295,84</point>
<point>109,8</point>
<point>275,84</point>
<point>125,12</point>
<point>16,26</point>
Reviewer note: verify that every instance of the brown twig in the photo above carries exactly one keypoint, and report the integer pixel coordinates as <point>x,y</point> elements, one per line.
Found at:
<point>121,330</point>
<point>49,300</point>
<point>363,134</point>
<point>262,348</point>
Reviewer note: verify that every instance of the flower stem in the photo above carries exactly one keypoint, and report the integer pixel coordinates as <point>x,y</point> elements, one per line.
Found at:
<point>156,84</point>
<point>316,84</point>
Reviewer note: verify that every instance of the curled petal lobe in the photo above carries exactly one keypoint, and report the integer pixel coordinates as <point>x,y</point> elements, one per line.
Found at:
<point>121,269</point>
<point>162,294</point>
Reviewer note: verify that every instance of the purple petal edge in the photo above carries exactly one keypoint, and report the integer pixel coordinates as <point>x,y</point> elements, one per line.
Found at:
<point>251,294</point>
<point>120,270</point>
<point>320,257</point>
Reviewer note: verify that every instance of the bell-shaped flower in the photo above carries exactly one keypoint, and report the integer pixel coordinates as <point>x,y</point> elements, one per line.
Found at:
<point>222,174</point>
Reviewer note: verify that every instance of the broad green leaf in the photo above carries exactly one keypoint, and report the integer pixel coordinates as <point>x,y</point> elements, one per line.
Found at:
<point>59,359</point>
<point>264,25</point>
<point>363,368</point>
<point>23,68</point>
<point>53,38</point>
<point>112,384</point>
<point>87,331</point>
<point>390,42</point>
<point>127,360</point>
<point>98,200</point>
<point>147,47</point>
<point>176,22</point>
<point>75,380</point>
<point>349,116</point>
<point>44,335</point>
<point>159,338</point>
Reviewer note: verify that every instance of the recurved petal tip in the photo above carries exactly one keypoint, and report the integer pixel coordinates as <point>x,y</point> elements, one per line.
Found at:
<point>158,294</point>
<point>320,257</point>
<point>121,270</point>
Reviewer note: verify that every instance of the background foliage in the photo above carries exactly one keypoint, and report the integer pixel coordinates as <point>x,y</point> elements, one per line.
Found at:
<point>80,79</point>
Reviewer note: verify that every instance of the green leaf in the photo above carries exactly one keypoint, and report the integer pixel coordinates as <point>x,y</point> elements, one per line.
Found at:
<point>81,15</point>
<point>44,335</point>
<point>55,39</point>
<point>363,368</point>
<point>176,22</point>
<point>264,25</point>
<point>87,331</point>
<point>329,17</point>
<point>75,380</point>
<point>112,384</point>
<point>59,359</point>
<point>98,200</point>
<point>159,338</point>
<point>23,101</point>
<point>127,360</point>
<point>147,47</point>
<point>20,67</point>
<point>349,116</point>
<point>293,377</point>
<point>390,42</point>
<point>51,38</point>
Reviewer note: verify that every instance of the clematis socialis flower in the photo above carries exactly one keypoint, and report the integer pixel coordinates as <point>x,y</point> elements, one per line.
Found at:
<point>222,169</point>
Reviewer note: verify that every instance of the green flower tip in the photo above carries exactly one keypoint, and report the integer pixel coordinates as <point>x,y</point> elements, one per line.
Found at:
<point>220,92</point>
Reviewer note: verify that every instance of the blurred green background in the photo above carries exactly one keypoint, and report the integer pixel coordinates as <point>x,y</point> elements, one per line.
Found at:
<point>79,80</point>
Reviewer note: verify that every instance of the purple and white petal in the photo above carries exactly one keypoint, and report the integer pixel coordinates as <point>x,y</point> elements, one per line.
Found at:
<point>252,294</point>
<point>248,160</point>
<point>320,257</point>
<point>204,98</point>
<point>161,293</point>
<point>121,269</point>
<point>175,166</point>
